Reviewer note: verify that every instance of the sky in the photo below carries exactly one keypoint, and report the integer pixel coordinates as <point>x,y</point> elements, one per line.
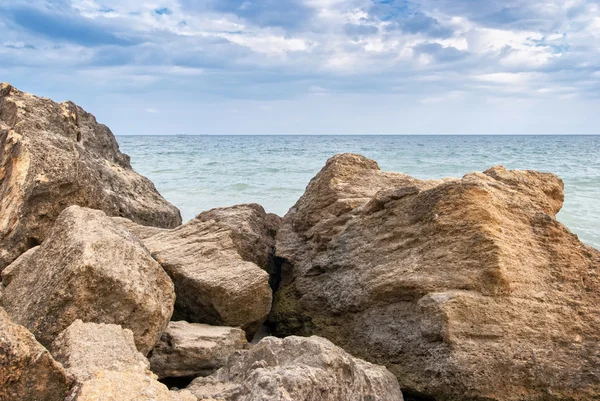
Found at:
<point>312,66</point>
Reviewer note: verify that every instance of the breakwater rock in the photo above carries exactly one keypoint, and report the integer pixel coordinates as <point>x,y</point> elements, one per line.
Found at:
<point>449,290</point>
<point>54,155</point>
<point>464,288</point>
<point>92,269</point>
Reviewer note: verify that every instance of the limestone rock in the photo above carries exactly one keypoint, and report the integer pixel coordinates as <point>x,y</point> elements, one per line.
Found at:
<point>219,263</point>
<point>192,349</point>
<point>56,155</point>
<point>464,288</point>
<point>106,365</point>
<point>126,386</point>
<point>87,348</point>
<point>89,268</point>
<point>297,369</point>
<point>27,371</point>
<point>140,231</point>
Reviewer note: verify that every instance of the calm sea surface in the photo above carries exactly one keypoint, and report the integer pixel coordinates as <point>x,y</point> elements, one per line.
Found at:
<point>197,173</point>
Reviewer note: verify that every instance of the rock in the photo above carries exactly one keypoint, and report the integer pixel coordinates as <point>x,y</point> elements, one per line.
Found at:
<point>217,262</point>
<point>56,155</point>
<point>13,268</point>
<point>140,231</point>
<point>87,348</point>
<point>126,386</point>
<point>464,288</point>
<point>89,268</point>
<point>297,369</point>
<point>192,349</point>
<point>106,365</point>
<point>27,371</point>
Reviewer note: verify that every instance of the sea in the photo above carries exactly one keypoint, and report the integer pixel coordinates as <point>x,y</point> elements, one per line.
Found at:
<point>198,173</point>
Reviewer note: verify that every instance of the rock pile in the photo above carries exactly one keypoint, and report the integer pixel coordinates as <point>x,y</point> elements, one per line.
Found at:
<point>92,269</point>
<point>56,155</point>
<point>465,289</point>
<point>219,263</point>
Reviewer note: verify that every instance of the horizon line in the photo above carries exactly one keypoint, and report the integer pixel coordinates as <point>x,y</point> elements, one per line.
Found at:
<point>196,135</point>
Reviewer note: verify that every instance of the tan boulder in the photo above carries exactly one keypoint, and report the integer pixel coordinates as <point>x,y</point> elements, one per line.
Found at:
<point>56,155</point>
<point>106,365</point>
<point>297,369</point>
<point>126,386</point>
<point>464,288</point>
<point>27,371</point>
<point>89,268</point>
<point>193,349</point>
<point>219,263</point>
<point>87,348</point>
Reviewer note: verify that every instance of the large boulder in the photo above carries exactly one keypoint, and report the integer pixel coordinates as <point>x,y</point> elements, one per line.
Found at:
<point>464,288</point>
<point>219,263</point>
<point>193,349</point>
<point>297,369</point>
<point>106,365</point>
<point>55,155</point>
<point>92,269</point>
<point>27,371</point>
<point>87,348</point>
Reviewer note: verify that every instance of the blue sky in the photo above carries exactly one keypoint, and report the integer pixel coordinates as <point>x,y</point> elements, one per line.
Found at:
<point>312,66</point>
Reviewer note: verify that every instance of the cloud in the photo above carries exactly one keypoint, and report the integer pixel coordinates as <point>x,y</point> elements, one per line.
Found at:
<point>62,26</point>
<point>266,50</point>
<point>288,14</point>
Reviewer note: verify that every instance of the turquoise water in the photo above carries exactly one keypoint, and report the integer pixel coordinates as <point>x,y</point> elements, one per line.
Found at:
<point>197,173</point>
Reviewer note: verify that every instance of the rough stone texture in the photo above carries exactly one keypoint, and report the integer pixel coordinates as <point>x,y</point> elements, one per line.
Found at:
<point>87,348</point>
<point>464,288</point>
<point>106,365</point>
<point>140,231</point>
<point>56,155</point>
<point>89,268</point>
<point>27,371</point>
<point>297,369</point>
<point>192,349</point>
<point>219,263</point>
<point>126,386</point>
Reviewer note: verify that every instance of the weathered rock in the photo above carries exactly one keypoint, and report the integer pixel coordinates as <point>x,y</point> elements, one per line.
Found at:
<point>87,348</point>
<point>56,155</point>
<point>27,371</point>
<point>217,262</point>
<point>192,349</point>
<point>126,386</point>
<point>464,288</point>
<point>106,365</point>
<point>297,369</point>
<point>140,231</point>
<point>89,268</point>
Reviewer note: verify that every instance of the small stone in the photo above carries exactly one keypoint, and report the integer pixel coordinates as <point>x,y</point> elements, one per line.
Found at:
<point>192,349</point>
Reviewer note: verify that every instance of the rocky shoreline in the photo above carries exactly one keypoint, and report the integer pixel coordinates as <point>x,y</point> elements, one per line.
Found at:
<point>447,290</point>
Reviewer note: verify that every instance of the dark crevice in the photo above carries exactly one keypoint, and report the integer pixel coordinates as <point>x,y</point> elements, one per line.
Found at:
<point>275,264</point>
<point>32,242</point>
<point>412,395</point>
<point>177,382</point>
<point>274,269</point>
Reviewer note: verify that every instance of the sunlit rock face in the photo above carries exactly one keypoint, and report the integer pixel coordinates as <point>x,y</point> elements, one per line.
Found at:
<point>55,155</point>
<point>464,288</point>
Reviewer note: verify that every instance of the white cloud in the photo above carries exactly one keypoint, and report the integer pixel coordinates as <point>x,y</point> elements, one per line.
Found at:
<point>436,54</point>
